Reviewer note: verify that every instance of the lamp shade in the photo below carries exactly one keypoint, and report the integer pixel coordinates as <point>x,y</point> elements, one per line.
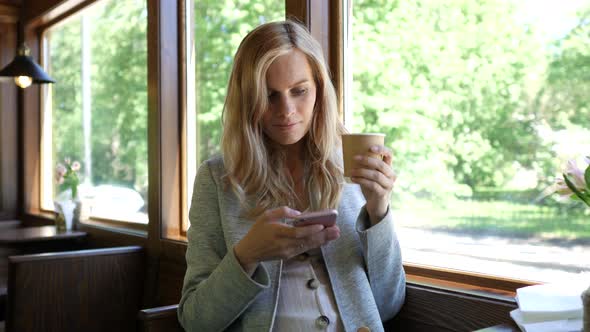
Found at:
<point>24,65</point>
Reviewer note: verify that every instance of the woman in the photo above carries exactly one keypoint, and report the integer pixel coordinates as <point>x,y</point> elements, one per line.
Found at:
<point>247,270</point>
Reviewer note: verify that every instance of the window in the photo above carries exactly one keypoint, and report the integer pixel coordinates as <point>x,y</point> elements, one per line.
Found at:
<point>218,28</point>
<point>482,103</point>
<point>97,112</point>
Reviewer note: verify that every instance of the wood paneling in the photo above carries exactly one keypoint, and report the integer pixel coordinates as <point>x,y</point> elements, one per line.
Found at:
<point>87,290</point>
<point>8,127</point>
<point>29,124</point>
<point>11,2</point>
<point>335,57</point>
<point>40,12</point>
<point>430,309</point>
<point>171,276</point>
<point>9,12</point>
<point>298,10</point>
<point>469,280</point>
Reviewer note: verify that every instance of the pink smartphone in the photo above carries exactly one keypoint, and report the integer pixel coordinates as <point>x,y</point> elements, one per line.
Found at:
<point>323,217</point>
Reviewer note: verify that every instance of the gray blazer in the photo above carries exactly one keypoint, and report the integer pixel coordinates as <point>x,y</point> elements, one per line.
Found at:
<point>364,264</point>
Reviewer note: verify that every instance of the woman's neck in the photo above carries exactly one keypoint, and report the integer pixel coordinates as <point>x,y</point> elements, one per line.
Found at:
<point>295,160</point>
<point>296,168</point>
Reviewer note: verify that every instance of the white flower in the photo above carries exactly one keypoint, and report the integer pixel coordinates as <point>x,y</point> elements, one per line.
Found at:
<point>576,175</point>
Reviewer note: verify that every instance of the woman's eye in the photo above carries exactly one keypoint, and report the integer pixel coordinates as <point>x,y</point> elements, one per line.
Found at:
<point>272,96</point>
<point>299,92</point>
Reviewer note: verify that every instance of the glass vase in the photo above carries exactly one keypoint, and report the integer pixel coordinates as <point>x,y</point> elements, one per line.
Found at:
<point>65,214</point>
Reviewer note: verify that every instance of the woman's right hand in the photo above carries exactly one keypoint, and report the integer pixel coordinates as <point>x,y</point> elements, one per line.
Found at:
<point>270,239</point>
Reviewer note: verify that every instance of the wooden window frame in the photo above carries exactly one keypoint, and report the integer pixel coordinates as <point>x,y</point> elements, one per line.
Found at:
<point>428,276</point>
<point>167,200</point>
<point>32,102</point>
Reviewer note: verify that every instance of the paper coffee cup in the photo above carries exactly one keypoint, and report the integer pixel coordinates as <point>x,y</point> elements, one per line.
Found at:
<point>359,144</point>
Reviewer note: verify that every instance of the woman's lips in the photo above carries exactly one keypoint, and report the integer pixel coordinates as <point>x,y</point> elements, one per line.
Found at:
<point>286,126</point>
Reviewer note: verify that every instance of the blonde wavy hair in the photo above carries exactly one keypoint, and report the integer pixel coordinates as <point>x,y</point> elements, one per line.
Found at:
<point>254,163</point>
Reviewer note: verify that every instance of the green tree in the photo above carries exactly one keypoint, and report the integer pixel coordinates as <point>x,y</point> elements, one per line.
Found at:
<point>219,27</point>
<point>450,87</point>
<point>118,88</point>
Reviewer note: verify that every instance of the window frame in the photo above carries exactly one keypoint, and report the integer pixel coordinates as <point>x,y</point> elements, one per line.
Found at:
<point>425,275</point>
<point>166,118</point>
<point>35,98</point>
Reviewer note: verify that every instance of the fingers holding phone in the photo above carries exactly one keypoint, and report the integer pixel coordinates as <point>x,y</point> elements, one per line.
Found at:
<point>325,218</point>
<point>269,238</point>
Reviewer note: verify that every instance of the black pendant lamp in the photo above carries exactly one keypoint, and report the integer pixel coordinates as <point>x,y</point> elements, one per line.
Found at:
<point>24,70</point>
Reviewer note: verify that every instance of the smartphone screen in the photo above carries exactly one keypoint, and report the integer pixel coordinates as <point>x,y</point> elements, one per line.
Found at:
<point>323,217</point>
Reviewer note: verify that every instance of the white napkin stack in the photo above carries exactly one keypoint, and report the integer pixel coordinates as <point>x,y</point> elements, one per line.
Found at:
<point>550,307</point>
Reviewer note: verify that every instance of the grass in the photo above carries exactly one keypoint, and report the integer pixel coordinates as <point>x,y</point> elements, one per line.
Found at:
<point>496,216</point>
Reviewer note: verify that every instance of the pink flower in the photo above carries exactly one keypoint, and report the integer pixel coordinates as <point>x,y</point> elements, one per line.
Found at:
<point>579,188</point>
<point>562,189</point>
<point>75,166</point>
<point>575,175</point>
<point>60,172</point>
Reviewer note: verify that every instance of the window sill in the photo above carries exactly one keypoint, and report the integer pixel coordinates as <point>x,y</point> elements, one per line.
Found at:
<point>42,217</point>
<point>117,227</point>
<point>464,282</point>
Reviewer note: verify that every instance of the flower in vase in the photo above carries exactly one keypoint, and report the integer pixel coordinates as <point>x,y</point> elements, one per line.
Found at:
<point>66,176</point>
<point>573,184</point>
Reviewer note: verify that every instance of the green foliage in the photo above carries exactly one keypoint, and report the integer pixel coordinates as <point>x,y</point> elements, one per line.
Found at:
<point>460,87</point>
<point>219,27</point>
<point>457,86</point>
<point>118,37</point>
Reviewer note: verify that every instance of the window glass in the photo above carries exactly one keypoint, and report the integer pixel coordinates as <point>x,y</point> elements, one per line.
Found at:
<point>483,102</point>
<point>96,112</point>
<point>218,26</point>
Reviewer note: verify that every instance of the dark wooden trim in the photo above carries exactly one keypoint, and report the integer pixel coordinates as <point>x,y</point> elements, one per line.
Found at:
<point>30,133</point>
<point>73,254</point>
<point>169,113</point>
<point>298,10</point>
<point>99,288</point>
<point>483,282</point>
<point>42,13</point>
<point>134,226</point>
<point>164,125</point>
<point>183,34</point>
<point>319,26</point>
<point>9,13</point>
<point>336,48</point>
<point>429,309</point>
<point>60,13</point>
<point>324,20</point>
<point>17,3</point>
<point>9,188</point>
<point>164,120</point>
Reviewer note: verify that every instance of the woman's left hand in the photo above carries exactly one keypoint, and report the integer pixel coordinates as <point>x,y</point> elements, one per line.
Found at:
<point>376,178</point>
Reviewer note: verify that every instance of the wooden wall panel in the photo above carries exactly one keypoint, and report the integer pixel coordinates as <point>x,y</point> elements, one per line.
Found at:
<point>171,276</point>
<point>46,9</point>
<point>11,2</point>
<point>430,309</point>
<point>88,290</point>
<point>8,127</point>
<point>9,12</point>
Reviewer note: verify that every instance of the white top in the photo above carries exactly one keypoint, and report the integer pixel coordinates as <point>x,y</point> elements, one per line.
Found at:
<point>306,299</point>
